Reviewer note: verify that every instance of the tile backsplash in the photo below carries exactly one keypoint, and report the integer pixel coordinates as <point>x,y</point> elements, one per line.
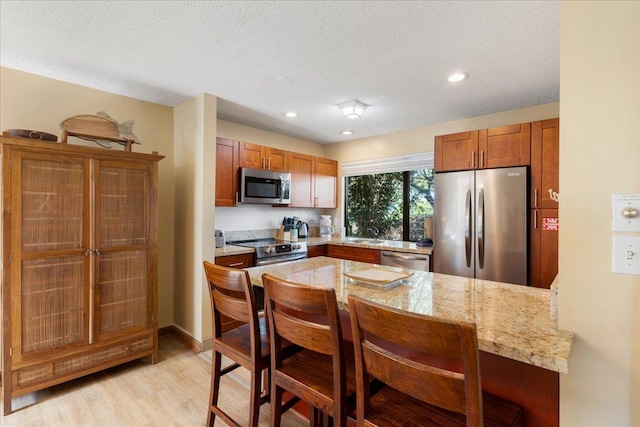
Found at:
<point>261,217</point>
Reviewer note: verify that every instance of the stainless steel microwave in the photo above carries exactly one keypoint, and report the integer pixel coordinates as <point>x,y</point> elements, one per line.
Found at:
<point>264,186</point>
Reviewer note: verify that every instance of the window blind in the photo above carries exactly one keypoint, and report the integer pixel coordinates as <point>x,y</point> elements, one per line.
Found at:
<point>407,162</point>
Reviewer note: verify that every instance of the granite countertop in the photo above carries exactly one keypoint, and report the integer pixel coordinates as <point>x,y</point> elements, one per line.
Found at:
<point>513,321</point>
<point>387,245</point>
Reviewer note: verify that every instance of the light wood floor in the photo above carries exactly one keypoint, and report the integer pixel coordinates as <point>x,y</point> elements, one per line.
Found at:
<point>173,392</point>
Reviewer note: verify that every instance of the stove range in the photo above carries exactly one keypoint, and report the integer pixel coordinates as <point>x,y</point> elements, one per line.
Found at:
<point>272,251</point>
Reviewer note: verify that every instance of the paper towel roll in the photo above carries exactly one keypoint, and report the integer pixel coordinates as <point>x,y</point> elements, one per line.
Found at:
<point>428,228</point>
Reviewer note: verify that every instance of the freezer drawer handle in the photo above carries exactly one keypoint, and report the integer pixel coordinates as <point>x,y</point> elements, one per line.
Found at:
<point>467,228</point>
<point>480,226</point>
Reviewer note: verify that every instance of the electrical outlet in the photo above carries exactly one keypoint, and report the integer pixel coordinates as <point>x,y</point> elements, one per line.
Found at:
<point>626,255</point>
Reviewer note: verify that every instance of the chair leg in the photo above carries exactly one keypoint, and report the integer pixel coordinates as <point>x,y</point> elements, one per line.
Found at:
<point>215,386</point>
<point>276,405</point>
<point>256,390</point>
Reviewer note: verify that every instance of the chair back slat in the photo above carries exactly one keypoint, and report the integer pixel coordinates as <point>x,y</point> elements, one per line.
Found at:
<point>375,326</point>
<point>231,295</point>
<point>314,336</point>
<point>425,383</point>
<point>231,306</point>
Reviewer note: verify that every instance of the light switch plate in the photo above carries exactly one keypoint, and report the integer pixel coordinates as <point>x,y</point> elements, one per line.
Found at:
<point>626,255</point>
<point>628,203</point>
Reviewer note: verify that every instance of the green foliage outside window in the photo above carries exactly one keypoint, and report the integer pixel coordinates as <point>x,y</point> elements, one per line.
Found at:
<point>378,201</point>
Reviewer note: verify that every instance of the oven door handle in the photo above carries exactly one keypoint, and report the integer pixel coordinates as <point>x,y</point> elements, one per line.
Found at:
<point>279,260</point>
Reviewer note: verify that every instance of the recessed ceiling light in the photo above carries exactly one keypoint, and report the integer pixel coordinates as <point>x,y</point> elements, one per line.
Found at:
<point>347,132</point>
<point>291,114</point>
<point>457,77</point>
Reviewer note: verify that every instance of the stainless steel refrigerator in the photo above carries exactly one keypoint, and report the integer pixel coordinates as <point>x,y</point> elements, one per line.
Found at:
<point>480,224</point>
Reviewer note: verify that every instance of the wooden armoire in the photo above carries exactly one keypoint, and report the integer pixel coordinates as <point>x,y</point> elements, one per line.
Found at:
<point>79,261</point>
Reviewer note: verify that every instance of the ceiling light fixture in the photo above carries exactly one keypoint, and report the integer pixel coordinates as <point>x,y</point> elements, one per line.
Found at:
<point>353,109</point>
<point>291,114</point>
<point>457,77</point>
<point>347,132</point>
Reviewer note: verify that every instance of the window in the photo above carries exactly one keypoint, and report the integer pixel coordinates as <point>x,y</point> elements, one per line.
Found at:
<point>390,204</point>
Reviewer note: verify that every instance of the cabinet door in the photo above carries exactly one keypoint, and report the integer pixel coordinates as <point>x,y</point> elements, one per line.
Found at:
<point>317,250</point>
<point>50,236</point>
<point>124,204</point>
<point>545,149</point>
<point>251,155</point>
<point>354,254</point>
<point>456,151</point>
<point>276,159</point>
<point>226,172</point>
<point>543,247</point>
<point>504,146</point>
<point>326,181</point>
<point>301,169</point>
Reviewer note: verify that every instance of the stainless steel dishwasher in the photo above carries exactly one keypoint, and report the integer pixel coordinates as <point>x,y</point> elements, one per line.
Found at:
<point>405,260</point>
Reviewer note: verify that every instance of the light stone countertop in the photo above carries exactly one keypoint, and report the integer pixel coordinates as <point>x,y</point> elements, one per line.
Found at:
<point>227,250</point>
<point>387,245</point>
<point>513,321</point>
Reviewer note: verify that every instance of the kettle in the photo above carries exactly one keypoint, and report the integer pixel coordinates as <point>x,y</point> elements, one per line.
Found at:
<point>303,229</point>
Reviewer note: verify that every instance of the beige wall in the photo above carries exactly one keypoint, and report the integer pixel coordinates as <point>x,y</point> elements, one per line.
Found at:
<point>599,156</point>
<point>28,101</point>
<point>194,139</point>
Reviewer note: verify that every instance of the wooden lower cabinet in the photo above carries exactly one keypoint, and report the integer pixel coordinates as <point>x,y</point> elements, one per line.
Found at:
<point>354,254</point>
<point>235,261</point>
<point>318,250</point>
<point>543,265</point>
<point>79,256</point>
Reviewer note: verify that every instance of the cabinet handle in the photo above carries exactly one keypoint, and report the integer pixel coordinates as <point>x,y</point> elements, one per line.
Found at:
<point>535,198</point>
<point>269,164</point>
<point>262,162</point>
<point>237,199</point>
<point>97,252</point>
<point>535,220</point>
<point>315,202</point>
<point>472,159</point>
<point>235,264</point>
<point>87,252</point>
<point>481,159</point>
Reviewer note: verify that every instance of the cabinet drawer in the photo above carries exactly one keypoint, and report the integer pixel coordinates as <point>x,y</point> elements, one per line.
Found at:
<point>235,261</point>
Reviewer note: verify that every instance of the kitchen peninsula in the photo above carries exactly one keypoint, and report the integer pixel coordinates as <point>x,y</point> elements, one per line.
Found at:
<point>522,349</point>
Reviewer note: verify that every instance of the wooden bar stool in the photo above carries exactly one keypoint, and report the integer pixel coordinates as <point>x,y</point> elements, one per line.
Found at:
<point>417,393</point>
<point>320,373</point>
<point>247,344</point>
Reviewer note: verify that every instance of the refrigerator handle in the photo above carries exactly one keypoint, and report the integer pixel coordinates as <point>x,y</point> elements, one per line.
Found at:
<point>467,228</point>
<point>480,227</point>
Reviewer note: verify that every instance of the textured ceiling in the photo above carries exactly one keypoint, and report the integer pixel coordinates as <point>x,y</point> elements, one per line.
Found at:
<point>264,58</point>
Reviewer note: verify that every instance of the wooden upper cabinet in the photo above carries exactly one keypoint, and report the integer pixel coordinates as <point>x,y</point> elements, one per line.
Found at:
<point>545,149</point>
<point>276,159</point>
<point>457,151</point>
<point>226,172</point>
<point>301,169</point>
<point>326,183</point>
<point>504,146</point>
<point>256,156</point>
<point>481,149</point>
<point>314,181</point>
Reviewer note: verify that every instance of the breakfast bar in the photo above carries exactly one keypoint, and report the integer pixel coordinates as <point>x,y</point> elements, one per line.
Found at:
<point>522,351</point>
